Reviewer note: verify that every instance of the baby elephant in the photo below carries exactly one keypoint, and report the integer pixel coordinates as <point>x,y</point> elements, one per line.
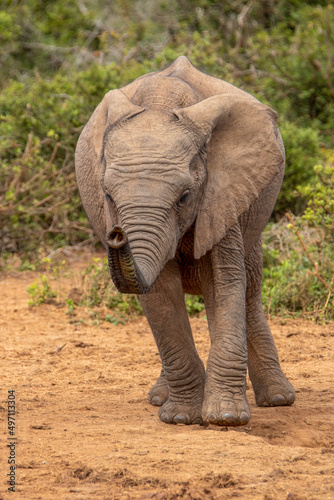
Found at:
<point>178,173</point>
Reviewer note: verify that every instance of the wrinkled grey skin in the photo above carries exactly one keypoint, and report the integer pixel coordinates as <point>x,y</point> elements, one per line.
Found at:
<point>178,173</point>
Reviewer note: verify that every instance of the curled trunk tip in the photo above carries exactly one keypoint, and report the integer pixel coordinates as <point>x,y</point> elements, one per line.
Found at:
<point>116,238</point>
<point>126,275</point>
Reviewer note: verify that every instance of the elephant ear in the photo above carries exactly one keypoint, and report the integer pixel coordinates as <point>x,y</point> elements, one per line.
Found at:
<point>244,154</point>
<point>114,107</point>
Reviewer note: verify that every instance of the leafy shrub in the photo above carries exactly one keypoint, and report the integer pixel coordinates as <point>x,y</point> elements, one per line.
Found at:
<point>41,292</point>
<point>320,209</point>
<point>44,34</point>
<point>279,53</point>
<point>39,200</point>
<point>99,290</point>
<point>302,149</point>
<point>93,290</point>
<point>298,272</point>
<point>59,58</point>
<point>295,67</point>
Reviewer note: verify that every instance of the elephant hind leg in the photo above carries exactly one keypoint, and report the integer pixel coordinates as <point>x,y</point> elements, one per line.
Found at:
<point>158,394</point>
<point>270,385</point>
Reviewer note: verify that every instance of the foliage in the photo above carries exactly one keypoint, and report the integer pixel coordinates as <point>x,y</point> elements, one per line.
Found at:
<point>99,290</point>
<point>302,146</point>
<point>272,52</point>
<point>41,292</point>
<point>320,209</point>
<point>194,304</point>
<point>43,35</point>
<point>299,256</point>
<point>58,58</point>
<point>39,200</point>
<point>95,292</point>
<point>297,68</point>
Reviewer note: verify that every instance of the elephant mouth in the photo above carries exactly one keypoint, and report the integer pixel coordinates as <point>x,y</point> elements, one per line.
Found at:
<point>124,271</point>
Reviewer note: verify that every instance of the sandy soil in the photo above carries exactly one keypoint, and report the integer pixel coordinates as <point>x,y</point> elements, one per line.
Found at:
<point>85,430</point>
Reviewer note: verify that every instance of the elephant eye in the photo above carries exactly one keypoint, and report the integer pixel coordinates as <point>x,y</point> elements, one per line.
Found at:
<point>184,197</point>
<point>108,197</point>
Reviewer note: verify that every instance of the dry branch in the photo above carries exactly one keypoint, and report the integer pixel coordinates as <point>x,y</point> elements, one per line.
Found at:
<point>240,22</point>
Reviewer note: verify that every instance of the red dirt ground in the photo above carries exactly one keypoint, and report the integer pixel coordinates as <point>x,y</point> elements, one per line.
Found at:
<point>85,430</point>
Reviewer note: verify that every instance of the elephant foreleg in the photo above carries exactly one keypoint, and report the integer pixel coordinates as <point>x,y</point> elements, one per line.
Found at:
<point>270,385</point>
<point>183,370</point>
<point>224,291</point>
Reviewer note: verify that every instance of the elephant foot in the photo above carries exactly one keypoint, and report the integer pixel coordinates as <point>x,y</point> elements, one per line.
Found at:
<point>231,409</point>
<point>180,413</point>
<point>158,394</point>
<point>274,391</point>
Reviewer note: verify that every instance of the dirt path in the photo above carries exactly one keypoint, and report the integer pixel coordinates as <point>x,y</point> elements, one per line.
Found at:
<point>85,430</point>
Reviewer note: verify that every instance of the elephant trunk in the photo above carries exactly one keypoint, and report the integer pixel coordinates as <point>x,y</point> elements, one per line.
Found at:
<point>126,275</point>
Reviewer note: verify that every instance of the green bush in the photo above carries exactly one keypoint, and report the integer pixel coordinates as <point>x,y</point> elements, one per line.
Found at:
<point>58,59</point>
<point>43,35</point>
<point>99,290</point>
<point>302,149</point>
<point>293,66</point>
<point>298,272</point>
<point>93,290</point>
<point>41,292</point>
<point>320,209</point>
<point>282,54</point>
<point>39,200</point>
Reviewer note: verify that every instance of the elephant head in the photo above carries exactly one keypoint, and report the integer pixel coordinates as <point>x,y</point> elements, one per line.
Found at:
<point>167,160</point>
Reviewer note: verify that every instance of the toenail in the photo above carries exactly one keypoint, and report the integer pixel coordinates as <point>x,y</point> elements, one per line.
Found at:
<point>278,399</point>
<point>156,401</point>
<point>244,417</point>
<point>180,419</point>
<point>229,416</point>
<point>164,417</point>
